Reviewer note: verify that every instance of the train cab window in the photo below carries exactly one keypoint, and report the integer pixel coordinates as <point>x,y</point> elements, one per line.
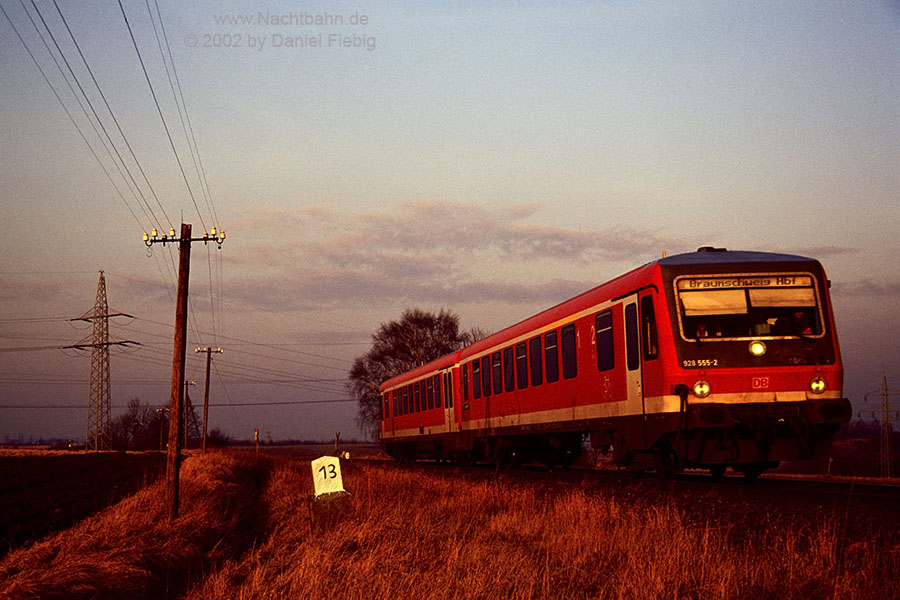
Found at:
<point>650,340</point>
<point>429,386</point>
<point>632,345</point>
<point>476,379</point>
<point>521,366</point>
<point>551,356</point>
<point>569,357</point>
<point>778,306</point>
<point>537,369</point>
<point>509,373</point>
<point>486,375</point>
<point>606,357</point>
<point>496,372</point>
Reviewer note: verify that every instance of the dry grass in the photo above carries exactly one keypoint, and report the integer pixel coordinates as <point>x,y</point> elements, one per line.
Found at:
<point>131,550</point>
<point>249,532</point>
<point>412,535</point>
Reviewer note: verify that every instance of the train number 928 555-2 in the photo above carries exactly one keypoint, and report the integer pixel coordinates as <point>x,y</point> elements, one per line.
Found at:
<point>700,362</point>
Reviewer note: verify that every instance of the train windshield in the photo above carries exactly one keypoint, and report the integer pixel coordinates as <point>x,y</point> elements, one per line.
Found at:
<point>748,306</point>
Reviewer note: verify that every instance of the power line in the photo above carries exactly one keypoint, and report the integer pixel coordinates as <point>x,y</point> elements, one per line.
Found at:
<point>108,108</point>
<point>69,114</point>
<point>159,110</point>
<point>216,404</point>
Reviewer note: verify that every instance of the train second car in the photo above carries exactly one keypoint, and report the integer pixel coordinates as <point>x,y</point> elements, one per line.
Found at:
<point>707,360</point>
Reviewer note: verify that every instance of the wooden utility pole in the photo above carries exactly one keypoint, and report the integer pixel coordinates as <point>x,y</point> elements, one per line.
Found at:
<point>209,352</point>
<point>176,422</point>
<point>173,463</point>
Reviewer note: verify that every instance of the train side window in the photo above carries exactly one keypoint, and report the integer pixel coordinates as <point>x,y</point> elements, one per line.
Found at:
<point>606,357</point>
<point>437,390</point>
<point>551,356</point>
<point>429,386</point>
<point>632,345</point>
<point>509,373</point>
<point>486,375</point>
<point>537,369</point>
<point>569,359</point>
<point>404,408</point>
<point>497,372</point>
<point>417,394</point>
<point>521,366</point>
<point>648,329</point>
<point>386,408</point>
<point>476,379</point>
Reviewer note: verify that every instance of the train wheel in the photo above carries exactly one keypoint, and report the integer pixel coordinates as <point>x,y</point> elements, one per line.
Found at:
<point>752,471</point>
<point>665,463</point>
<point>717,471</point>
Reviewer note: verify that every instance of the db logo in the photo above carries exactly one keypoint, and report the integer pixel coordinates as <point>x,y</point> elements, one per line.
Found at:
<point>760,383</point>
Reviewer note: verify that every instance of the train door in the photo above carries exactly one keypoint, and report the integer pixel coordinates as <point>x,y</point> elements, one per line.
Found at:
<point>447,393</point>
<point>634,380</point>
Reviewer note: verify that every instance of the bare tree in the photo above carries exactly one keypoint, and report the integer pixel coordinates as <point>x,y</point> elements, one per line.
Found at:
<point>418,337</point>
<point>136,428</point>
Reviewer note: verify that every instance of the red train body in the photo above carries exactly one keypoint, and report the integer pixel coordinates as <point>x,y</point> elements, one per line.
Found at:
<point>705,359</point>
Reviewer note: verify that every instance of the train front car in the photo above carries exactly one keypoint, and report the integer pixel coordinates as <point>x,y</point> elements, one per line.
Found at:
<point>758,370</point>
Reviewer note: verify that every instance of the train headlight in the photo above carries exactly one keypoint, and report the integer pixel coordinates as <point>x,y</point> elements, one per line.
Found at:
<point>701,389</point>
<point>757,348</point>
<point>817,385</point>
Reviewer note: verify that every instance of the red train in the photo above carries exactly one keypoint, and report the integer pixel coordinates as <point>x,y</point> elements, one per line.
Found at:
<point>707,359</point>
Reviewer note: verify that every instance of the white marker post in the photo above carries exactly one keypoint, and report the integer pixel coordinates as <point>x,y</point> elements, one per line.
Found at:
<point>327,476</point>
<point>331,502</point>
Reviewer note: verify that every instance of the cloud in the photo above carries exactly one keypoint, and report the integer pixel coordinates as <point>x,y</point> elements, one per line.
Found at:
<point>868,288</point>
<point>28,290</point>
<point>421,252</point>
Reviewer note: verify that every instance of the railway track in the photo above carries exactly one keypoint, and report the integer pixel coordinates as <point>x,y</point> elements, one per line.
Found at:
<point>851,509</point>
<point>770,482</point>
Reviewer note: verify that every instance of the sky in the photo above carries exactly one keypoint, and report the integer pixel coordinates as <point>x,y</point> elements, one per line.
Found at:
<point>492,159</point>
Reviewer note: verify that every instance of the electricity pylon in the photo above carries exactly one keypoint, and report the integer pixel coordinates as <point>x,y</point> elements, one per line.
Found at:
<point>191,424</point>
<point>886,429</point>
<point>97,435</point>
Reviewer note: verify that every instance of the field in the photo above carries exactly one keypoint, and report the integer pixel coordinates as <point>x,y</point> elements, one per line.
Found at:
<point>45,492</point>
<point>249,529</point>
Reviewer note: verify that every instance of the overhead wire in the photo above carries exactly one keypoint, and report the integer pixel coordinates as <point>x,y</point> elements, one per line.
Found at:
<point>159,111</point>
<point>105,102</point>
<point>69,114</point>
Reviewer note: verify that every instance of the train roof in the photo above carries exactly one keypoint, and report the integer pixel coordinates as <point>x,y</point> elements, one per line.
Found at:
<point>709,255</point>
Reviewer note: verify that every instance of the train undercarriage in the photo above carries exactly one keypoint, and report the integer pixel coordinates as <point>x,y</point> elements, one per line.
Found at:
<point>749,438</point>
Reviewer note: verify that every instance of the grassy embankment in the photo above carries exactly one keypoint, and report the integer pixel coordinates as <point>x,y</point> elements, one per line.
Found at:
<point>246,532</point>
